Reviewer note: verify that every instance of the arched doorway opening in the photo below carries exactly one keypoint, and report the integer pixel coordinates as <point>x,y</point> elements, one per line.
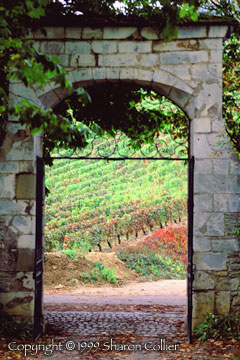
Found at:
<point>178,97</point>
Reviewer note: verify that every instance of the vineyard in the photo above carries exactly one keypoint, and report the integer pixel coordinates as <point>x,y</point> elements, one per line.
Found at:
<point>94,203</point>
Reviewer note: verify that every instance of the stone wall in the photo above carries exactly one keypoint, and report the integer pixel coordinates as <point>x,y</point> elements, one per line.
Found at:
<point>188,71</point>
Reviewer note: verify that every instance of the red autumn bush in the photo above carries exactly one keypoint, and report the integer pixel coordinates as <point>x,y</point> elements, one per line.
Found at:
<point>170,241</point>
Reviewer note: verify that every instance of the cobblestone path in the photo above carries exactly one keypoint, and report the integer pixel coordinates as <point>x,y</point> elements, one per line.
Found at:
<point>132,332</point>
<point>112,323</point>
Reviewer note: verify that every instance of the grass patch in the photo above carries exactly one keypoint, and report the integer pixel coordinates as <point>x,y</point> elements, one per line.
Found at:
<point>99,273</point>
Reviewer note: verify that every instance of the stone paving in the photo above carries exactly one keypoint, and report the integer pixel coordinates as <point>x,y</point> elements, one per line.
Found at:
<point>112,323</point>
<point>121,331</point>
<point>118,330</point>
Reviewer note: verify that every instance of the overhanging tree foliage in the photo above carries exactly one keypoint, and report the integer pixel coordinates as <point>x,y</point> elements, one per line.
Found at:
<point>19,60</point>
<point>230,9</point>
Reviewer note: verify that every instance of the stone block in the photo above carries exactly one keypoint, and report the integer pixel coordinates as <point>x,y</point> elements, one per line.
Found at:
<point>203,202</point>
<point>208,73</point>
<point>118,32</point>
<point>26,242</point>
<point>163,77</point>
<point>233,184</point>
<point>112,73</point>
<point>175,45</point>
<point>18,303</point>
<point>201,146</point>
<point>24,207</point>
<point>181,98</point>
<point>203,281</point>
<point>204,183</point>
<point>82,75</point>
<point>201,125</point>
<point>82,60</point>
<point>217,31</point>
<point>150,33</point>
<point>26,260</point>
<point>24,224</point>
<point>236,300</point>
<point>220,145</point>
<point>26,166</point>
<point>190,32</point>
<point>221,166</point>
<point>99,74</point>
<point>52,47</point>
<point>127,74</point>
<point>203,303</point>
<point>55,32</point>
<point>8,259</point>
<point>226,284</point>
<point>181,71</point>
<point>143,75</point>
<point>73,33</point>
<point>227,202</point>
<point>9,167</point>
<point>64,60</point>
<point>148,60</point>
<point>210,96</point>
<point>7,186</point>
<point>27,280</point>
<point>92,33</point>
<point>216,56</point>
<point>26,186</point>
<point>77,47</point>
<point>8,207</point>
<point>19,89</point>
<point>200,223</point>
<point>8,237</point>
<point>231,222</point>
<point>234,167</point>
<point>223,302</point>
<point>49,32</point>
<point>210,44</point>
<point>234,268</point>
<point>201,244</point>
<point>215,225</point>
<point>117,60</point>
<point>15,282</point>
<point>184,57</point>
<point>135,47</point>
<point>225,245</point>
<point>210,261</point>
<point>203,166</point>
<point>217,126</point>
<point>20,150</point>
<point>105,47</point>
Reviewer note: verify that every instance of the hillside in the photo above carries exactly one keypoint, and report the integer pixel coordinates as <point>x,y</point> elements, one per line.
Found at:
<point>95,202</point>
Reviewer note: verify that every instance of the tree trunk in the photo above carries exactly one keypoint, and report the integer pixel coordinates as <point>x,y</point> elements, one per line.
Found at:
<point>119,239</point>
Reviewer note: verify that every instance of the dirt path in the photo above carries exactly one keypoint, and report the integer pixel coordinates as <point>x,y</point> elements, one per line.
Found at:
<point>121,326</point>
<point>166,292</point>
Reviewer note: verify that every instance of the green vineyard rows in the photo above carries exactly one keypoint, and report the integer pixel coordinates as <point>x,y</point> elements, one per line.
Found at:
<point>92,202</point>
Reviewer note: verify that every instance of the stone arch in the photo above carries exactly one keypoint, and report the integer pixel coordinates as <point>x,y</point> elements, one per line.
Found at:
<point>187,70</point>
<point>161,81</point>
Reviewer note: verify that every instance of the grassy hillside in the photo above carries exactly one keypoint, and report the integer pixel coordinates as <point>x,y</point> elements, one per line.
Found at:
<point>95,201</point>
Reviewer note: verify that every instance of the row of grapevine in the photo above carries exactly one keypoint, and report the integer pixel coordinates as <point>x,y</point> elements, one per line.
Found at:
<point>95,201</point>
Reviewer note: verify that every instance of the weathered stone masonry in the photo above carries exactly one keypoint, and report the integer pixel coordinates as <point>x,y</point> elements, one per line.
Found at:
<point>188,71</point>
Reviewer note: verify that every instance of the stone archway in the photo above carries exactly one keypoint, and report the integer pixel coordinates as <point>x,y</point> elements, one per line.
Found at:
<point>188,71</point>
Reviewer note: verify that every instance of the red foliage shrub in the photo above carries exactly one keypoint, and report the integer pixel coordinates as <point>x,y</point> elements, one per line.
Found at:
<point>170,241</point>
